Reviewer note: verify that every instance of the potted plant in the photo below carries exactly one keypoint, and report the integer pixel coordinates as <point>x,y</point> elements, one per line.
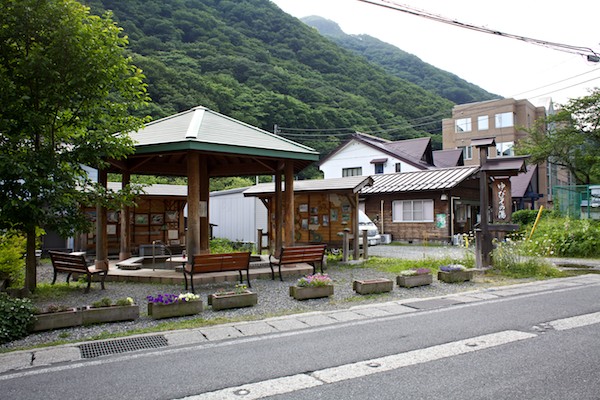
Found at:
<point>171,305</point>
<point>454,273</point>
<point>312,287</point>
<point>239,297</point>
<point>56,316</point>
<point>105,310</point>
<point>414,277</point>
<point>370,286</point>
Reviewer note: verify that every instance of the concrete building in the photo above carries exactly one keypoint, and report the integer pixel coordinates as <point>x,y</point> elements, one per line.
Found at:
<point>505,121</point>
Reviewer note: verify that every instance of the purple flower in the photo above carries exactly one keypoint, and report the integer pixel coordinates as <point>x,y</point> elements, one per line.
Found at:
<point>452,268</point>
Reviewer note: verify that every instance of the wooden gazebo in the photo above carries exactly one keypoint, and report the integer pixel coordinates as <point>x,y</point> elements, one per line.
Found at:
<point>201,144</point>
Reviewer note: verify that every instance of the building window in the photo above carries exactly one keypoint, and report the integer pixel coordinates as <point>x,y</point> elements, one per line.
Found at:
<point>378,168</point>
<point>412,211</point>
<point>463,125</point>
<point>356,171</point>
<point>504,120</point>
<point>398,167</point>
<point>505,149</point>
<point>483,123</point>
<point>467,152</point>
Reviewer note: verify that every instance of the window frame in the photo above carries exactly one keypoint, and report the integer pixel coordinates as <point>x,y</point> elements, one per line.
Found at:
<point>352,169</point>
<point>482,118</point>
<point>462,125</point>
<point>501,122</point>
<point>424,206</point>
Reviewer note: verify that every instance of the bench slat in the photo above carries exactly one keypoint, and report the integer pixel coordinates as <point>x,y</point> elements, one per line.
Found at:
<point>206,263</point>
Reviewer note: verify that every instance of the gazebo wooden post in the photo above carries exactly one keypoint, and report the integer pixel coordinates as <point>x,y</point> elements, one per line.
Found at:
<point>204,199</point>
<point>101,261</point>
<point>278,211</point>
<point>193,201</point>
<point>288,216</point>
<point>125,238</point>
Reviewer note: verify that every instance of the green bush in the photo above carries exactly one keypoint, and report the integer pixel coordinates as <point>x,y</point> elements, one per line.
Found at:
<point>220,246</point>
<point>526,218</point>
<point>12,262</point>
<point>509,259</point>
<point>17,317</point>
<point>565,237</point>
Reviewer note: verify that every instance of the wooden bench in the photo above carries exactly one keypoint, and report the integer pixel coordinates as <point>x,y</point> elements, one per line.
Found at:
<point>309,254</point>
<point>75,263</point>
<point>205,263</point>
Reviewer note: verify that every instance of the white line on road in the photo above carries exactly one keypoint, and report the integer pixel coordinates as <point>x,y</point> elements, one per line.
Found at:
<point>575,322</point>
<point>355,370</point>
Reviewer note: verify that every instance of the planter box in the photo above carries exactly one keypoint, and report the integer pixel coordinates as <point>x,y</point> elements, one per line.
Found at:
<point>180,309</point>
<point>62,319</point>
<point>455,276</point>
<point>303,293</point>
<point>373,286</point>
<point>232,300</point>
<point>110,314</point>
<point>414,280</point>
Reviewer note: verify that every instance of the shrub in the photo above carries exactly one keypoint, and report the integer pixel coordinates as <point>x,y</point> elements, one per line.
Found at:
<point>12,262</point>
<point>17,317</point>
<point>565,237</point>
<point>509,259</point>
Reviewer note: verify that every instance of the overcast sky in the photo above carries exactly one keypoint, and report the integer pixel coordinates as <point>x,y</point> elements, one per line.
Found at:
<point>507,67</point>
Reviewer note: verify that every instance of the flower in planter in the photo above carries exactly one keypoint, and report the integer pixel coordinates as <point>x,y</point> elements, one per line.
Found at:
<point>414,272</point>
<point>170,298</point>
<point>315,280</point>
<point>106,302</point>
<point>452,268</point>
<point>238,289</point>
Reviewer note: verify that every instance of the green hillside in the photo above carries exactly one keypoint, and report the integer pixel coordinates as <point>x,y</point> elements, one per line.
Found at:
<point>251,61</point>
<point>402,64</point>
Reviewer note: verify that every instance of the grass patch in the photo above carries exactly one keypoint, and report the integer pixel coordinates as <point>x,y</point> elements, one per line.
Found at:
<point>47,291</point>
<point>397,265</point>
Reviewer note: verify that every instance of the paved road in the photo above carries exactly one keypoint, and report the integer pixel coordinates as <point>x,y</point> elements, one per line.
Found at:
<point>537,341</point>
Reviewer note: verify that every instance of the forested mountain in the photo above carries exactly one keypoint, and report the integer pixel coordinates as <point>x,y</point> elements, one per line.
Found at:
<point>251,61</point>
<point>402,64</point>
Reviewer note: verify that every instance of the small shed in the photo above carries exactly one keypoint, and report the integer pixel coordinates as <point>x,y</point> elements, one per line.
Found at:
<point>323,209</point>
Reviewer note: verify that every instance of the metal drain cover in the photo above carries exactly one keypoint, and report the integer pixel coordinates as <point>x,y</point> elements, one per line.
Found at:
<point>97,349</point>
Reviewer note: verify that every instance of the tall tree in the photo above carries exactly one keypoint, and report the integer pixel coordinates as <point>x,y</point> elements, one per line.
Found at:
<point>569,138</point>
<point>67,87</point>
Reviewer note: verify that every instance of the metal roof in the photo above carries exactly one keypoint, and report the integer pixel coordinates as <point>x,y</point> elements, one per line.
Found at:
<point>203,129</point>
<point>354,183</point>
<point>431,179</point>
<point>157,189</point>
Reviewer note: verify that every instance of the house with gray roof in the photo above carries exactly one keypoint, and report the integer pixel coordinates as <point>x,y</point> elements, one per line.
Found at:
<point>366,155</point>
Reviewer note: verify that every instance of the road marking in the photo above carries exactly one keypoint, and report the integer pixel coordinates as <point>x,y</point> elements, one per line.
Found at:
<point>575,322</point>
<point>363,368</point>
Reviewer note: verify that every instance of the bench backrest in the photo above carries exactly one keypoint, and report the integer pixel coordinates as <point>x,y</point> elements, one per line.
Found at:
<point>299,254</point>
<point>221,262</point>
<point>68,262</point>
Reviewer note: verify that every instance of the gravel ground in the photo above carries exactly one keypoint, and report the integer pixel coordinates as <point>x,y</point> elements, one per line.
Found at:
<point>273,300</point>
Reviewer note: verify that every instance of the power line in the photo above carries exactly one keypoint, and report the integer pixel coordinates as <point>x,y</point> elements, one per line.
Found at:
<point>591,55</point>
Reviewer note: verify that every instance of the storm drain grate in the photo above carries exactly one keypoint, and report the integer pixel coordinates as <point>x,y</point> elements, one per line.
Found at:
<point>97,349</point>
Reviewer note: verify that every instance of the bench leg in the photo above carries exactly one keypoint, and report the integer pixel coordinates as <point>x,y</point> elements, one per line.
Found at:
<point>185,280</point>
<point>54,280</point>
<point>280,276</point>
<point>272,272</point>
<point>104,275</point>
<point>192,283</point>
<point>248,277</point>
<point>68,277</point>
<point>87,289</point>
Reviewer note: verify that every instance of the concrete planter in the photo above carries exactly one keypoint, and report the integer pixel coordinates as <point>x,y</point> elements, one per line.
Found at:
<point>57,320</point>
<point>373,286</point>
<point>110,314</point>
<point>303,293</point>
<point>232,300</point>
<point>179,309</point>
<point>414,280</point>
<point>455,276</point>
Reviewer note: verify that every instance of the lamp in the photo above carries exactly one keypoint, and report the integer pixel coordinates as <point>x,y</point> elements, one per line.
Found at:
<point>444,197</point>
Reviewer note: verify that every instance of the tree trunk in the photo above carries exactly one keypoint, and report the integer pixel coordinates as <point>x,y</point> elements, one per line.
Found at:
<point>30,261</point>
